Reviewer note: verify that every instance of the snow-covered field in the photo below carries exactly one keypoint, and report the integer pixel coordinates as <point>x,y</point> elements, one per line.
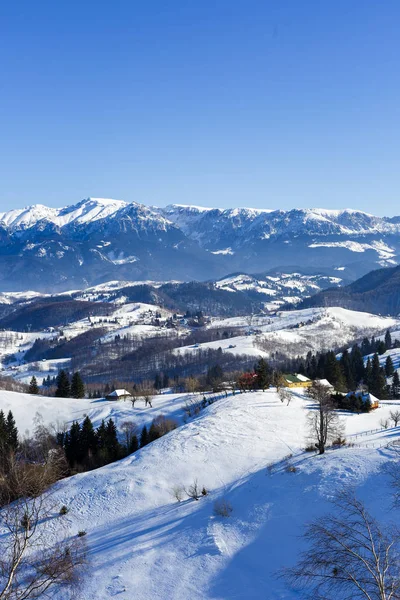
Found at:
<point>143,544</point>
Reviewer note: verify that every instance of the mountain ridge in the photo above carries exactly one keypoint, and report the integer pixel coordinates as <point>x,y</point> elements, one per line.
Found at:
<point>101,239</point>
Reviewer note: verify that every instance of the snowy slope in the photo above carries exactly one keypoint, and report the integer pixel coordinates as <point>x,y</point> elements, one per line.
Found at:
<point>296,332</point>
<point>143,544</point>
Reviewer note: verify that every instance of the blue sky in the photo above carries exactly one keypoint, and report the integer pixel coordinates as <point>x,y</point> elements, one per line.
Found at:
<point>273,103</point>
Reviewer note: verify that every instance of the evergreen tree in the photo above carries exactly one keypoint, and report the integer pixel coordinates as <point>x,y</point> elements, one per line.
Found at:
<point>154,432</point>
<point>389,368</point>
<point>134,444</point>
<point>88,438</point>
<point>77,386</point>
<point>165,381</point>
<point>377,385</point>
<point>388,340</point>
<point>33,386</point>
<point>368,373</point>
<point>63,387</point>
<point>346,367</point>
<point>396,386</point>
<point>365,347</point>
<point>381,347</point>
<point>72,444</point>
<point>263,374</point>
<point>11,432</point>
<point>112,444</point>
<point>101,436</point>
<point>357,364</point>
<point>144,437</point>
<point>333,372</point>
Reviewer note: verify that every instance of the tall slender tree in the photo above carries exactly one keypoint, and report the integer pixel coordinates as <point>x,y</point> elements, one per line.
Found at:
<point>33,386</point>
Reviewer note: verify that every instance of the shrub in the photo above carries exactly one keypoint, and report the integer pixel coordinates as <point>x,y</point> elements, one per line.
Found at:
<point>81,533</point>
<point>204,492</point>
<point>290,469</point>
<point>339,442</point>
<point>222,508</point>
<point>63,510</point>
<point>310,448</point>
<point>193,490</point>
<point>177,492</point>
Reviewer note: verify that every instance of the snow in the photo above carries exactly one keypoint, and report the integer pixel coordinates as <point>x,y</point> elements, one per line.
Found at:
<point>86,211</point>
<point>143,544</point>
<point>225,251</point>
<point>384,251</point>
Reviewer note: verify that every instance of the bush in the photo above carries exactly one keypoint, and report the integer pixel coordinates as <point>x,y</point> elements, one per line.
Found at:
<point>81,533</point>
<point>339,442</point>
<point>177,492</point>
<point>193,490</point>
<point>310,448</point>
<point>290,469</point>
<point>204,492</point>
<point>63,510</point>
<point>222,508</point>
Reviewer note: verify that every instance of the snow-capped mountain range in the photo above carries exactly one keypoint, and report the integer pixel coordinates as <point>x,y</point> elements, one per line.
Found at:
<point>100,239</point>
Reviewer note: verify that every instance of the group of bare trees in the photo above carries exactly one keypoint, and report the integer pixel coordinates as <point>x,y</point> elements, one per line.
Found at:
<point>349,554</point>
<point>35,557</point>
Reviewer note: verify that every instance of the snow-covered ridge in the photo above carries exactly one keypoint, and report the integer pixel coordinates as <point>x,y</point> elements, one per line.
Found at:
<point>85,211</point>
<point>263,222</point>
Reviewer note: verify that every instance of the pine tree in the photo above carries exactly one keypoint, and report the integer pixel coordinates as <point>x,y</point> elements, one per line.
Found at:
<point>112,444</point>
<point>154,432</point>
<point>389,368</point>
<point>381,347</point>
<point>144,437</point>
<point>72,444</point>
<point>357,364</point>
<point>346,367</point>
<point>377,385</point>
<point>63,387</point>
<point>333,372</point>
<point>366,347</point>
<point>77,386</point>
<point>33,386</point>
<point>388,340</point>
<point>88,438</point>
<point>11,432</point>
<point>134,444</point>
<point>396,386</point>
<point>263,374</point>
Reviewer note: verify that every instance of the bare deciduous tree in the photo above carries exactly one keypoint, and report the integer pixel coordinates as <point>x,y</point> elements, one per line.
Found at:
<point>395,417</point>
<point>129,429</point>
<point>284,395</point>
<point>31,560</point>
<point>350,556</point>
<point>177,492</point>
<point>324,423</point>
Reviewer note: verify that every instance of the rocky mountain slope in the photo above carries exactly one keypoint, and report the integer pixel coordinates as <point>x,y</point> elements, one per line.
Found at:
<point>99,240</point>
<point>376,292</point>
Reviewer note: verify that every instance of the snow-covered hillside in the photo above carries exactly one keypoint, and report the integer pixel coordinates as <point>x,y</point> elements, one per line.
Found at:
<point>143,544</point>
<point>294,333</point>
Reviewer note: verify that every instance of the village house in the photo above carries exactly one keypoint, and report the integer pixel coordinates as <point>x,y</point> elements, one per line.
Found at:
<point>119,395</point>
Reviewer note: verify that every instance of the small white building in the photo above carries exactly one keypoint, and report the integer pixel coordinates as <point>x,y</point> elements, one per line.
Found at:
<point>119,395</point>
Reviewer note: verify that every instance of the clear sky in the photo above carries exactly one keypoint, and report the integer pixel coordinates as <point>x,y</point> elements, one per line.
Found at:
<point>270,103</point>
